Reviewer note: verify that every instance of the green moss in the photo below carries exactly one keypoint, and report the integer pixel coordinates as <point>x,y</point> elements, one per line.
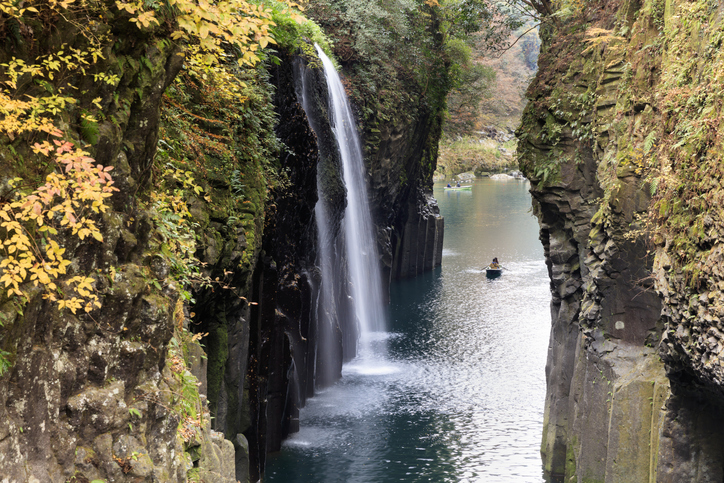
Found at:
<point>89,129</point>
<point>570,470</point>
<point>295,34</point>
<point>194,475</point>
<point>217,343</point>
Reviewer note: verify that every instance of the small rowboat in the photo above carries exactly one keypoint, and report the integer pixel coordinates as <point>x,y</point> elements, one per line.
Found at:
<point>459,188</point>
<point>493,272</point>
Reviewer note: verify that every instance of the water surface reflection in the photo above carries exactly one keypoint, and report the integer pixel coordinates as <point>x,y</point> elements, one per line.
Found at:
<point>458,395</point>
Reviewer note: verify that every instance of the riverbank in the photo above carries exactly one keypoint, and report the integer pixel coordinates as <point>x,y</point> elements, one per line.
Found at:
<point>487,152</point>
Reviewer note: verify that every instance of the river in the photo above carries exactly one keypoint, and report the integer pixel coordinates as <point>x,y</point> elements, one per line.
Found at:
<point>458,392</point>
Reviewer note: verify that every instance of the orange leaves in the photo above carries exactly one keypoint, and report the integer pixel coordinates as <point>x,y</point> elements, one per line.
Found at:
<point>66,201</point>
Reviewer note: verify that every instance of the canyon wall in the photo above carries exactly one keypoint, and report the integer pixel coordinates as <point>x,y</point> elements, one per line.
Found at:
<point>208,339</point>
<point>94,396</point>
<point>621,141</point>
<point>396,67</point>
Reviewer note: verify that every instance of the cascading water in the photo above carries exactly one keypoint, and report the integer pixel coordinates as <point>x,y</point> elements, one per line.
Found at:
<point>360,245</point>
<point>328,350</point>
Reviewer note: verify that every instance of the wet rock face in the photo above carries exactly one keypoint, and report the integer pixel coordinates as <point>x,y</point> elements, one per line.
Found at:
<point>282,343</point>
<point>410,227</point>
<point>633,372</point>
<point>419,249</point>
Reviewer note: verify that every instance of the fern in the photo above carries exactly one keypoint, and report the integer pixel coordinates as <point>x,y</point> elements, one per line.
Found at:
<point>649,142</point>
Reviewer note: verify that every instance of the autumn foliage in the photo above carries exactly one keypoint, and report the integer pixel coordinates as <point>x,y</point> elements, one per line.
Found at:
<point>38,221</point>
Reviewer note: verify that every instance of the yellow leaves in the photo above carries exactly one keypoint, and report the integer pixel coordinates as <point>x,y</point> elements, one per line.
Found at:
<point>179,35</point>
<point>34,226</point>
<point>66,200</point>
<point>131,8</point>
<point>64,4</point>
<point>110,79</point>
<point>87,228</point>
<point>187,179</point>
<point>203,30</point>
<point>15,9</point>
<point>45,148</point>
<point>72,304</point>
<point>26,114</point>
<point>55,253</point>
<point>18,117</point>
<point>236,22</point>
<point>145,19</point>
<point>84,287</point>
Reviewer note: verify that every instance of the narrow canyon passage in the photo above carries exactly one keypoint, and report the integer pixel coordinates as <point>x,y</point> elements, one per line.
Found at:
<point>457,390</point>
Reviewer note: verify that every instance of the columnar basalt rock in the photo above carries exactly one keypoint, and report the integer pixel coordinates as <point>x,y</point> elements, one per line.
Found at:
<point>419,249</point>
<point>410,227</point>
<point>633,372</point>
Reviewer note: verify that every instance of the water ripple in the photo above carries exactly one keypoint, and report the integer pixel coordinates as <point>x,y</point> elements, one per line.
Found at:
<point>457,394</point>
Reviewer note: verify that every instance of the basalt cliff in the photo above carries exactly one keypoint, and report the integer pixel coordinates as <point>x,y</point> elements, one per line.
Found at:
<point>166,329</point>
<point>621,139</point>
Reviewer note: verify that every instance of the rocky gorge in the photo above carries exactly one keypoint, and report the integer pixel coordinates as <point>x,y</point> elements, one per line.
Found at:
<point>621,140</point>
<point>204,264</point>
<point>160,316</point>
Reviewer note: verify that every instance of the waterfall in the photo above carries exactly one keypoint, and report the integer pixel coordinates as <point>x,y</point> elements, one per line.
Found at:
<point>328,347</point>
<point>359,240</point>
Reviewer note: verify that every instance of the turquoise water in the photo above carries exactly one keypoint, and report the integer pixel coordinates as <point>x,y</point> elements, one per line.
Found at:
<point>457,392</point>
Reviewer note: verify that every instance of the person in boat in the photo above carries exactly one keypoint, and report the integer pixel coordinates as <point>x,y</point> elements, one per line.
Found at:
<point>458,185</point>
<point>495,265</point>
<point>448,185</point>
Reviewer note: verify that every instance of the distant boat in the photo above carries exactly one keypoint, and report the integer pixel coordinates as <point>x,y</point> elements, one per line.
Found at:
<point>493,272</point>
<point>459,188</point>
